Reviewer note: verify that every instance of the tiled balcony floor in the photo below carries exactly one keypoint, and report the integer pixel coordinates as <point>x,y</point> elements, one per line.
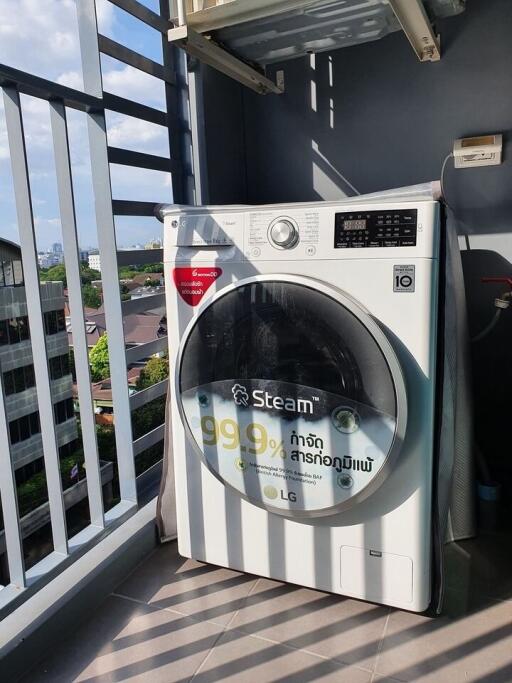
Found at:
<point>179,620</point>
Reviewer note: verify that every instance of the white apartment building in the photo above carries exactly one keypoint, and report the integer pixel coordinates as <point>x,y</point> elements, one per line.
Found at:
<point>94,261</point>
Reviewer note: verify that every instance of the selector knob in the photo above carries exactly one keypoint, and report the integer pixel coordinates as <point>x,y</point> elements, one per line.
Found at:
<point>283,234</point>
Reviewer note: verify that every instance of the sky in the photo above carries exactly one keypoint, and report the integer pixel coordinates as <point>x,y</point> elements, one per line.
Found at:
<point>41,37</point>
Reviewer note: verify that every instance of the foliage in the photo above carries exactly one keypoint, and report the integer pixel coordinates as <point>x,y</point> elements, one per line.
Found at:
<point>54,274</point>
<point>151,283</point>
<point>98,359</point>
<point>147,417</point>
<point>149,457</point>
<point>87,275</point>
<point>91,296</point>
<point>33,492</point>
<point>58,274</point>
<point>155,370</point>
<point>106,442</point>
<point>127,273</point>
<point>153,268</point>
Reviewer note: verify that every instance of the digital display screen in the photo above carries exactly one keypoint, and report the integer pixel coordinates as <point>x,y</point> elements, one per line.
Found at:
<point>359,224</point>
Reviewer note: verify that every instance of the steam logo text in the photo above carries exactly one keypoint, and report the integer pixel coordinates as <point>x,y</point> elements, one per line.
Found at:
<point>263,399</point>
<point>240,395</point>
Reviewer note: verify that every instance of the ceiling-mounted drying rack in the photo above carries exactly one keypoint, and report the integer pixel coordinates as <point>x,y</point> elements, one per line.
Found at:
<point>241,37</point>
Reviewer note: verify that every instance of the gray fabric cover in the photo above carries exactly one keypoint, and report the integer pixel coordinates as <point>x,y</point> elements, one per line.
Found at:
<point>456,489</point>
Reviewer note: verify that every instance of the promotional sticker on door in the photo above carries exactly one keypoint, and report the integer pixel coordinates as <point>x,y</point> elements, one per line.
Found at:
<point>287,446</point>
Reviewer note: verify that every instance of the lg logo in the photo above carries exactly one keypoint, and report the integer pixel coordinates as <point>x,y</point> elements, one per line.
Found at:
<point>272,493</point>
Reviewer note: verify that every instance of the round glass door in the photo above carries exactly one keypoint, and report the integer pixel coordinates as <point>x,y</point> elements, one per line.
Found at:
<point>292,395</point>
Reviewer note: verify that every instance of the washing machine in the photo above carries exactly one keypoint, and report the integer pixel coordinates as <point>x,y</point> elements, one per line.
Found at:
<point>303,345</point>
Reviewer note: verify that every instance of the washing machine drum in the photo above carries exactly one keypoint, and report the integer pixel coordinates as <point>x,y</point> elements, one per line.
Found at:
<point>292,395</point>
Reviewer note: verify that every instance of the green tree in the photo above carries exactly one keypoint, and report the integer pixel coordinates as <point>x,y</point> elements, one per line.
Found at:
<point>147,417</point>
<point>127,273</point>
<point>91,296</point>
<point>98,359</point>
<point>125,292</point>
<point>155,370</point>
<point>87,274</point>
<point>55,274</point>
<point>153,268</point>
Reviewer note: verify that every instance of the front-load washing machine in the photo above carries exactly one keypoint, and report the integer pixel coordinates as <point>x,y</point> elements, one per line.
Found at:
<point>303,350</point>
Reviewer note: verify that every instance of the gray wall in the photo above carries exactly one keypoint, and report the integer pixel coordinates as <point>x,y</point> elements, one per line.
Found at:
<point>384,120</point>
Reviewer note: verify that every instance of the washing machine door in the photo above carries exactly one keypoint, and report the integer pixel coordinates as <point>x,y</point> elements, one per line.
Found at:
<point>292,395</point>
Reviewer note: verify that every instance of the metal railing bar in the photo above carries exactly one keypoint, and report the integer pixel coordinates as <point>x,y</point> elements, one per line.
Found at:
<point>149,439</point>
<point>89,48</point>
<point>145,350</point>
<point>12,526</point>
<point>127,157</point>
<point>129,108</point>
<point>71,257</point>
<point>25,216</point>
<point>149,394</point>
<point>143,13</point>
<point>127,207</point>
<point>91,66</point>
<point>177,104</point>
<point>112,304</point>
<point>124,54</point>
<point>35,86</point>
<point>145,303</point>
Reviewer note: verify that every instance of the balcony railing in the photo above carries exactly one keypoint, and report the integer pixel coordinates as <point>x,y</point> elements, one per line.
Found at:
<point>24,580</point>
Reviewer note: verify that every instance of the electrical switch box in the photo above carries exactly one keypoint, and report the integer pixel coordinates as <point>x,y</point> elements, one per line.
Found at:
<point>484,150</point>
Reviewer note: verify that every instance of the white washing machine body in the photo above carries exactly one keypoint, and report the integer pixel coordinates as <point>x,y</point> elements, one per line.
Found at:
<point>303,360</point>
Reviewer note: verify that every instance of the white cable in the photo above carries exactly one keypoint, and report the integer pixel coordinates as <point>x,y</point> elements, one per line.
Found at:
<point>443,167</point>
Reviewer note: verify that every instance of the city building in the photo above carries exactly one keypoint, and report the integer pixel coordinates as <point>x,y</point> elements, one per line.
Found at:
<point>18,380</point>
<point>94,260</point>
<point>17,369</point>
<point>154,243</point>
<point>48,259</point>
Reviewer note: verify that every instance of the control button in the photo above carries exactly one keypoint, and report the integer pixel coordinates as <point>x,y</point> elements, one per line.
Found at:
<point>407,242</point>
<point>310,250</point>
<point>407,231</point>
<point>283,234</point>
<point>391,243</point>
<point>255,252</point>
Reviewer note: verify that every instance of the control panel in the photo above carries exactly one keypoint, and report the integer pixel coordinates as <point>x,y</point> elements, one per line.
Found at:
<point>390,228</point>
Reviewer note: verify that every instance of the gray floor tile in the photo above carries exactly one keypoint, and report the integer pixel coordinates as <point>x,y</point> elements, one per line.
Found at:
<point>126,641</point>
<point>328,625</point>
<point>476,647</point>
<point>237,658</point>
<point>205,592</point>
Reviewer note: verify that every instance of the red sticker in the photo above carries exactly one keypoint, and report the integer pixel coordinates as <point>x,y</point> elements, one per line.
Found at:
<point>193,283</point>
